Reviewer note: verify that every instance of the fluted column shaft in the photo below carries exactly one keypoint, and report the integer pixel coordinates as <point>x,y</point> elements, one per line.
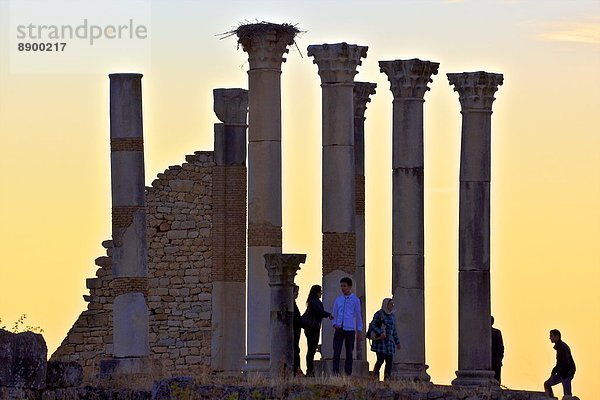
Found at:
<point>476,90</point>
<point>409,81</point>
<point>282,268</point>
<point>362,91</point>
<point>337,66</point>
<point>228,343</point>
<point>265,45</point>
<point>129,258</point>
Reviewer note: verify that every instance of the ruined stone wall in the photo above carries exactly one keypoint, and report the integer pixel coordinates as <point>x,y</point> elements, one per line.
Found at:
<point>180,262</point>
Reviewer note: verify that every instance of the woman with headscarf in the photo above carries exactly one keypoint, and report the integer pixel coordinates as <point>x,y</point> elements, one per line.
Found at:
<point>384,338</point>
<point>312,325</point>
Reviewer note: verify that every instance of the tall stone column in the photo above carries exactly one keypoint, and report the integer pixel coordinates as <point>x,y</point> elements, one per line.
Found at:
<point>282,269</point>
<point>337,66</point>
<point>228,345</point>
<point>265,45</point>
<point>129,255</point>
<point>362,91</point>
<point>408,83</point>
<point>476,94</point>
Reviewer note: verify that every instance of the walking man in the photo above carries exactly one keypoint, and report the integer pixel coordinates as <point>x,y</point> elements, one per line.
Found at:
<point>347,323</point>
<point>564,370</point>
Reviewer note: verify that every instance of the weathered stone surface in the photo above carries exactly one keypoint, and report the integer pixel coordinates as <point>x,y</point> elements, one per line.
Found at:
<point>264,183</point>
<point>171,300</point>
<point>173,388</point>
<point>63,374</point>
<point>282,269</point>
<point>22,360</point>
<point>408,211</point>
<point>231,105</point>
<point>338,189</point>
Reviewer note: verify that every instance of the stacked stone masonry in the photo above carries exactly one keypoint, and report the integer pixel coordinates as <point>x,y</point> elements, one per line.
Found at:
<point>180,275</point>
<point>339,252</point>
<point>126,144</point>
<point>229,217</point>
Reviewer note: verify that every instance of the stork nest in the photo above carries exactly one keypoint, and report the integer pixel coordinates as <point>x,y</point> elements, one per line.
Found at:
<point>247,29</point>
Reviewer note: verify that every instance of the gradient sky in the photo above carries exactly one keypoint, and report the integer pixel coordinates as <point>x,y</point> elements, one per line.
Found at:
<point>54,153</point>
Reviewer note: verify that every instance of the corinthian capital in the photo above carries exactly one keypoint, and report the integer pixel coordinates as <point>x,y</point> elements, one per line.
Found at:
<point>476,89</point>
<point>409,78</point>
<point>266,43</point>
<point>231,105</point>
<point>337,62</point>
<point>362,91</point>
<point>282,268</point>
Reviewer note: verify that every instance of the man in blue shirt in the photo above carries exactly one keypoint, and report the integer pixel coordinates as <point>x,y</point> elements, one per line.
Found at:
<point>347,323</point>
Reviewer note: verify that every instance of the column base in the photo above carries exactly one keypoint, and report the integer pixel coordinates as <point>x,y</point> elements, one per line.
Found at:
<point>474,378</point>
<point>129,373</point>
<point>257,364</point>
<point>409,371</point>
<point>324,367</point>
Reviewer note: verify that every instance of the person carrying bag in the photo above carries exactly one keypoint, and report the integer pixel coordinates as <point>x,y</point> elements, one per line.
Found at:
<point>311,322</point>
<point>384,337</point>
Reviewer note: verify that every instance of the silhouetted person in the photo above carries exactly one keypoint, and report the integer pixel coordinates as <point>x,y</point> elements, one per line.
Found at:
<point>385,339</point>
<point>297,333</point>
<point>312,325</point>
<point>347,322</point>
<point>564,370</point>
<point>497,351</point>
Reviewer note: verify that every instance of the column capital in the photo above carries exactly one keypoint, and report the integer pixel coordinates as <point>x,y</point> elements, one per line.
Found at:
<point>231,105</point>
<point>282,268</point>
<point>409,78</point>
<point>266,43</point>
<point>362,91</point>
<point>476,89</point>
<point>337,62</point>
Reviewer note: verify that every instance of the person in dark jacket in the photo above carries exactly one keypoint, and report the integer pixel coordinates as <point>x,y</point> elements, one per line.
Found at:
<point>312,325</point>
<point>497,351</point>
<point>385,339</point>
<point>564,371</point>
<point>297,333</point>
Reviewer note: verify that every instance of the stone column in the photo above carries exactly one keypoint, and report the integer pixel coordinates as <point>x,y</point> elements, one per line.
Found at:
<point>129,255</point>
<point>408,83</point>
<point>362,91</point>
<point>337,66</point>
<point>282,269</point>
<point>228,345</point>
<point>265,45</point>
<point>476,94</point>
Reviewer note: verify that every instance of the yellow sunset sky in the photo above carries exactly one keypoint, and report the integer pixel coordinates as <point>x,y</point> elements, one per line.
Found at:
<point>55,172</point>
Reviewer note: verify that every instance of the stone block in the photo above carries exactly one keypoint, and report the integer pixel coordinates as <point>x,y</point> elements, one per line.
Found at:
<point>228,344</point>
<point>264,105</point>
<point>63,374</point>
<point>130,321</point>
<point>410,325</point>
<point>407,138</point>
<point>474,226</point>
<point>475,147</point>
<point>474,310</point>
<point>181,185</point>
<point>338,115</point>
<point>22,360</point>
<point>338,189</point>
<point>408,271</point>
<point>407,211</point>
<point>230,145</point>
<point>258,307</point>
<point>264,183</point>
<point>127,183</point>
